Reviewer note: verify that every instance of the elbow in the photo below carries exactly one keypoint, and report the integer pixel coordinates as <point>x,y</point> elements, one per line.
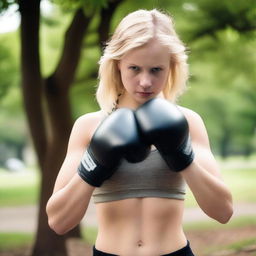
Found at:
<point>56,227</point>
<point>224,219</point>
<point>54,222</point>
<point>225,215</point>
<point>222,213</point>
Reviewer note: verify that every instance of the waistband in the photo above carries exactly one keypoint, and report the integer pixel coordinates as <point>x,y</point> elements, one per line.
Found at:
<point>185,251</point>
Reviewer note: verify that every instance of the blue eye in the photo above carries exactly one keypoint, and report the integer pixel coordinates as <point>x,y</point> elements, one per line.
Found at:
<point>156,69</point>
<point>134,68</point>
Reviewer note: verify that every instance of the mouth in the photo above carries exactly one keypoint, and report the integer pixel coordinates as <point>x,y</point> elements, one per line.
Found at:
<point>144,94</point>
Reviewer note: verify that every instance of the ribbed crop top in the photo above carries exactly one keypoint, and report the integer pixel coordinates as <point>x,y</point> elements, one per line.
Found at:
<point>149,178</point>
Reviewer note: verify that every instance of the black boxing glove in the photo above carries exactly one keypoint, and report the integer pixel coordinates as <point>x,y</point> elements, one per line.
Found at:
<point>165,126</point>
<point>116,137</point>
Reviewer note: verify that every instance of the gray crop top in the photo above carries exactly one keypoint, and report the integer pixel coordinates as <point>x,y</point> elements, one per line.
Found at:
<point>149,178</point>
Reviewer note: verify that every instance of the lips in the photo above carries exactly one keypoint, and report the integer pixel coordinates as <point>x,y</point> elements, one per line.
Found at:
<point>144,94</point>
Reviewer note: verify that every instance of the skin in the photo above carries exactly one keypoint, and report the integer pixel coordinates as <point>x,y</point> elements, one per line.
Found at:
<point>144,72</point>
<point>139,226</point>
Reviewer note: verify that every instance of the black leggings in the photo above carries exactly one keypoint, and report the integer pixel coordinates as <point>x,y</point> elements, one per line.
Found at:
<point>185,251</point>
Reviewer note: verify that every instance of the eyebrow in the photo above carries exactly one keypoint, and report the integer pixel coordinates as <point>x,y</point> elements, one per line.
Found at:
<point>154,66</point>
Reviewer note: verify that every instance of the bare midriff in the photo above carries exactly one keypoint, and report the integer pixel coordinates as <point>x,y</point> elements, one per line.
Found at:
<point>140,226</point>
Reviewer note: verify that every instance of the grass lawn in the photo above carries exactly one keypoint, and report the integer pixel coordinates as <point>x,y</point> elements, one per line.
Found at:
<point>242,184</point>
<point>14,240</point>
<point>18,188</point>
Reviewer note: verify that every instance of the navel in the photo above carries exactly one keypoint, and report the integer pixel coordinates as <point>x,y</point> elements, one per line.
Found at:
<point>140,243</point>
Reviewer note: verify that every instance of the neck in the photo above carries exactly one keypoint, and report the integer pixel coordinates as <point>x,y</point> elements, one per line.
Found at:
<point>125,101</point>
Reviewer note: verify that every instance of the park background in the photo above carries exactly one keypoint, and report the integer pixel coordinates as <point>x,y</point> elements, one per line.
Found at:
<point>48,77</point>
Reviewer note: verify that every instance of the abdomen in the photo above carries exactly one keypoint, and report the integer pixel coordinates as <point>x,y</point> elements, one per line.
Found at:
<point>140,225</point>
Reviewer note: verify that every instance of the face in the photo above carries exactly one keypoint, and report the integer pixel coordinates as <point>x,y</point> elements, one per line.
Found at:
<point>144,73</point>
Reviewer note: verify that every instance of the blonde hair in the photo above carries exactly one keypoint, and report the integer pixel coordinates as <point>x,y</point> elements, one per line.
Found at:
<point>135,30</point>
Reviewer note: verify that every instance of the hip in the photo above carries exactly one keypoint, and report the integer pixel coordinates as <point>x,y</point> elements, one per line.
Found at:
<point>138,243</point>
<point>184,251</point>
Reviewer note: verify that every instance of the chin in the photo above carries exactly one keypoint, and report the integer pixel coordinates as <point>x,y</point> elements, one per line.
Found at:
<point>143,100</point>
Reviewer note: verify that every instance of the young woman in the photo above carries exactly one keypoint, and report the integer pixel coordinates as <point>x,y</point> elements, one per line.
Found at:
<point>137,162</point>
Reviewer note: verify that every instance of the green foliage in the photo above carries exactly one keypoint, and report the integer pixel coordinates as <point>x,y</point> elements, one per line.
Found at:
<point>9,72</point>
<point>10,241</point>
<point>52,34</point>
<point>12,124</point>
<point>82,94</point>
<point>90,7</point>
<point>222,81</point>
<point>4,4</point>
<point>4,69</point>
<point>240,16</point>
<point>221,42</point>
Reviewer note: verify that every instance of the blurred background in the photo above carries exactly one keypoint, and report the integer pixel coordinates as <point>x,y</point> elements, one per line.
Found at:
<point>48,75</point>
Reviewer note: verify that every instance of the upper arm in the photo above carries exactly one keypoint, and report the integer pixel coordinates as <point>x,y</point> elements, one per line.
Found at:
<point>200,142</point>
<point>78,141</point>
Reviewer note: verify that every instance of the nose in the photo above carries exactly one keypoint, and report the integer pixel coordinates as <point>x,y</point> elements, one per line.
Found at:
<point>145,81</point>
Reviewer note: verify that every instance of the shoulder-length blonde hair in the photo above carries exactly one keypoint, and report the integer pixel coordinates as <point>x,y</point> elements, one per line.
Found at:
<point>135,30</point>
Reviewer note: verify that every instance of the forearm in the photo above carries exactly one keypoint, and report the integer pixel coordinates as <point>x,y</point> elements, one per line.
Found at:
<point>67,206</point>
<point>210,192</point>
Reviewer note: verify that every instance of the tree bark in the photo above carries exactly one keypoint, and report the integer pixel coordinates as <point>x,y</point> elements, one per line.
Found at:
<point>31,75</point>
<point>48,110</point>
<point>60,123</point>
<point>49,135</point>
<point>106,17</point>
<point>47,243</point>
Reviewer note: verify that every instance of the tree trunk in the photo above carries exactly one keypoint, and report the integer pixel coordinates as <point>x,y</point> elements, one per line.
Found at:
<point>47,243</point>
<point>56,91</point>
<point>48,110</point>
<point>106,16</point>
<point>32,85</point>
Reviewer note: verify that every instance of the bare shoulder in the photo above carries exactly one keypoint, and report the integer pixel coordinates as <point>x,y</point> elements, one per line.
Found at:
<point>89,120</point>
<point>191,115</point>
<point>197,127</point>
<point>84,128</point>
